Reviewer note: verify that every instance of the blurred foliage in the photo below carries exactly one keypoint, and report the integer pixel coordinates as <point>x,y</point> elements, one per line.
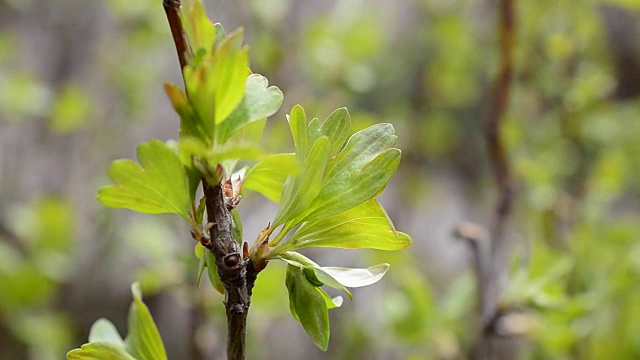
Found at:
<point>425,66</point>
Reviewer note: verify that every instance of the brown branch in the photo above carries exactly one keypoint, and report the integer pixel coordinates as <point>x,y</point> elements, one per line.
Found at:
<point>172,10</point>
<point>236,273</point>
<point>236,270</point>
<point>499,102</point>
<point>12,238</point>
<point>489,273</point>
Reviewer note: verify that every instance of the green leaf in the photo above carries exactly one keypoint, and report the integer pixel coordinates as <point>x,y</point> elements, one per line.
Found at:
<point>200,30</point>
<point>190,124</point>
<point>299,130</point>
<point>212,271</point>
<point>259,102</point>
<point>364,226</point>
<point>143,340</point>
<point>319,276</point>
<point>353,186</point>
<point>332,303</point>
<point>299,191</point>
<point>158,186</point>
<point>104,331</point>
<point>336,127</point>
<point>229,74</point>
<point>99,351</point>
<point>268,176</point>
<point>357,277</point>
<point>237,226</point>
<point>308,306</point>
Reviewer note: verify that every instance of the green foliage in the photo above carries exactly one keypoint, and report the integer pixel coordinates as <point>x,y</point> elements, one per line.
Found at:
<point>328,186</point>
<point>158,185</point>
<point>143,341</point>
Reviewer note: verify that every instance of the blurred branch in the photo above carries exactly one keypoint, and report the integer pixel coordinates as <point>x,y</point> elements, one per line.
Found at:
<point>492,267</point>
<point>11,237</point>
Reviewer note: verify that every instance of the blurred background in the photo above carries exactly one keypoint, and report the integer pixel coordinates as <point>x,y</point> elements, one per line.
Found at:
<point>81,85</point>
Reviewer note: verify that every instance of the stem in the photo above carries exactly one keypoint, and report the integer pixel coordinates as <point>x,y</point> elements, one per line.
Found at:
<point>237,273</point>
<point>495,260</point>
<point>172,10</point>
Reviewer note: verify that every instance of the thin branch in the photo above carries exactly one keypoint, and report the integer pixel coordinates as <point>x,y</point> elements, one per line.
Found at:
<point>12,238</point>
<point>495,265</point>
<point>497,152</point>
<point>172,10</point>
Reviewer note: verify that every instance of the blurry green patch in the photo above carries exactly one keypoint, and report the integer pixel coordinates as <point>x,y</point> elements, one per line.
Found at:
<point>71,109</point>
<point>22,96</point>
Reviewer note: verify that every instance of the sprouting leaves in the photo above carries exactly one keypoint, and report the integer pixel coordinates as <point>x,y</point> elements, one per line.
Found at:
<point>308,306</point>
<point>142,343</point>
<point>364,226</point>
<point>268,176</point>
<point>158,185</point>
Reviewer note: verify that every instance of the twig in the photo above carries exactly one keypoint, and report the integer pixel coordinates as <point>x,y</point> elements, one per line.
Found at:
<point>172,10</point>
<point>237,272</point>
<point>12,238</point>
<point>496,262</point>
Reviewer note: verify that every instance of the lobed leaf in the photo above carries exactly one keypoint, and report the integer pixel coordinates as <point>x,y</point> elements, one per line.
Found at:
<point>259,102</point>
<point>364,226</point>
<point>143,340</point>
<point>308,306</point>
<point>158,186</point>
<point>99,351</point>
<point>268,176</point>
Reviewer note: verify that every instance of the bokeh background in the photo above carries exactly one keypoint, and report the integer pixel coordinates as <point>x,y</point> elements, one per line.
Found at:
<point>81,85</point>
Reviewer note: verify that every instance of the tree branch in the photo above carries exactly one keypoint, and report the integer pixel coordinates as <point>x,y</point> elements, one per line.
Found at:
<point>172,10</point>
<point>490,273</point>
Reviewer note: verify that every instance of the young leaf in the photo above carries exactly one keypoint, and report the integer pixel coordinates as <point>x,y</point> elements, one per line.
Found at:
<point>198,27</point>
<point>308,306</point>
<point>345,191</point>
<point>229,75</point>
<point>190,124</point>
<point>158,186</point>
<point>299,130</point>
<point>298,192</point>
<point>259,102</point>
<point>104,331</point>
<point>332,303</point>
<point>143,340</point>
<point>268,176</point>
<point>319,276</point>
<point>99,351</point>
<point>336,128</point>
<point>364,226</point>
<point>357,277</point>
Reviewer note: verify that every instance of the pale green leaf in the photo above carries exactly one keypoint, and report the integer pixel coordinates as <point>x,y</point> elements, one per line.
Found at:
<point>268,176</point>
<point>200,30</point>
<point>319,276</point>
<point>230,71</point>
<point>190,124</point>
<point>308,306</point>
<point>299,129</point>
<point>158,186</point>
<point>104,331</point>
<point>259,102</point>
<point>336,127</point>
<point>332,303</point>
<point>299,191</point>
<point>143,340</point>
<point>99,351</point>
<point>353,186</point>
<point>364,226</point>
<point>357,277</point>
